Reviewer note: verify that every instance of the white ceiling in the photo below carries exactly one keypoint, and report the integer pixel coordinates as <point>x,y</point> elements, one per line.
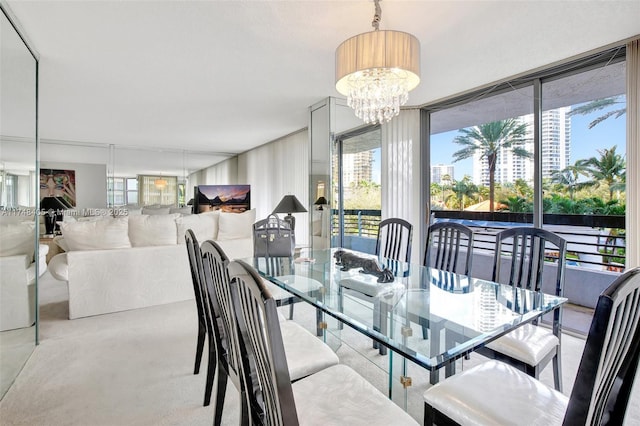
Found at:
<point>226,76</point>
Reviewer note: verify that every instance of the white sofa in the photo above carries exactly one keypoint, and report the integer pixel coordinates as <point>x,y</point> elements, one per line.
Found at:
<point>130,262</point>
<point>18,274</point>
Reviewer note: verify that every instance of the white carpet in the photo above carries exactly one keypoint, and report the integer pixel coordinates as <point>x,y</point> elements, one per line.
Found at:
<point>135,368</point>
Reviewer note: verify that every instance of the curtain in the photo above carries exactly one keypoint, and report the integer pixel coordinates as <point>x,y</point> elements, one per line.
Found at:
<point>277,169</point>
<point>401,172</point>
<point>153,190</point>
<point>633,155</point>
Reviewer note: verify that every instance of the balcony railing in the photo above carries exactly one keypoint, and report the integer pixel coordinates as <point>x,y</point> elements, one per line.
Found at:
<point>593,241</point>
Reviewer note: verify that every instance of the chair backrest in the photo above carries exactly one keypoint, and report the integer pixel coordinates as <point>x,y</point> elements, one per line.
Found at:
<point>444,240</point>
<point>610,359</point>
<point>195,264</point>
<point>216,279</point>
<point>529,247</point>
<point>394,244</point>
<point>271,402</point>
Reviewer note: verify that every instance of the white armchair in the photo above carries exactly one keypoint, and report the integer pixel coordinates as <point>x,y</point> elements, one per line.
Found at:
<point>18,271</point>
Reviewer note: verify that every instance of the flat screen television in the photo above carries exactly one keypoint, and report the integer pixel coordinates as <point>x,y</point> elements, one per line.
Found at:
<point>226,198</point>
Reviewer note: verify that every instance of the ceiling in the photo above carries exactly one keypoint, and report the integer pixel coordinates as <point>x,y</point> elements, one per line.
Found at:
<point>221,77</point>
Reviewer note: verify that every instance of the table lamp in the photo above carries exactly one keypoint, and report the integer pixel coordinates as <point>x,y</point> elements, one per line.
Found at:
<point>321,202</point>
<point>53,207</point>
<point>290,204</point>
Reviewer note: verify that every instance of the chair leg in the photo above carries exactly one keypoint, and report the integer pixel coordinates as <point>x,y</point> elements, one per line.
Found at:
<point>221,390</point>
<point>428,415</point>
<point>211,373</point>
<point>199,347</point>
<point>557,371</point>
<point>245,418</point>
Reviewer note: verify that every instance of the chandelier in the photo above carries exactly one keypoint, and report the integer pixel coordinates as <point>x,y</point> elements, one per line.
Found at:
<point>160,183</point>
<point>377,70</point>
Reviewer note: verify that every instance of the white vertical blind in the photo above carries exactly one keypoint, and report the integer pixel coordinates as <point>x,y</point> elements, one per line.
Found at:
<point>633,155</point>
<point>401,172</point>
<point>274,170</point>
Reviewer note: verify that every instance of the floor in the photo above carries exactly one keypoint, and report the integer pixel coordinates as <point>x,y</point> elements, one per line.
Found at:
<point>135,368</point>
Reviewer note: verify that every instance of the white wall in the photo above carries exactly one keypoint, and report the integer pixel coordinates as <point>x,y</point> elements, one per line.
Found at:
<point>273,170</point>
<point>91,182</point>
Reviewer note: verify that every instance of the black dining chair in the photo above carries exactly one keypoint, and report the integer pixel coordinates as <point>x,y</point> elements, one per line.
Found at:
<point>335,395</point>
<point>305,353</point>
<point>193,251</point>
<point>265,230</point>
<point>600,394</point>
<point>444,243</point>
<point>524,253</point>
<point>449,248</point>
<point>393,248</point>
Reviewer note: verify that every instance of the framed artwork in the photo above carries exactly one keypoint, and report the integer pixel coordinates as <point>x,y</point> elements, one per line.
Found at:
<point>226,198</point>
<point>60,185</point>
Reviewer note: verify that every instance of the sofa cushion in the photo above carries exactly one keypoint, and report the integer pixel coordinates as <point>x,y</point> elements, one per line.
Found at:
<point>154,230</point>
<point>17,238</point>
<point>203,225</point>
<point>238,248</point>
<point>109,233</point>
<point>236,225</point>
<point>181,210</point>
<point>58,267</point>
<point>155,210</point>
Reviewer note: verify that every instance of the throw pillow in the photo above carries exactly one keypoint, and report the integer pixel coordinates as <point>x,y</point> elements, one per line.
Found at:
<point>17,238</point>
<point>236,225</point>
<point>109,233</point>
<point>154,230</point>
<point>203,225</point>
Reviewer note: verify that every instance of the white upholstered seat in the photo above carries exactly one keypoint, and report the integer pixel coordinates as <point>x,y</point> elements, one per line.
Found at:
<point>306,354</point>
<point>529,344</point>
<point>469,399</point>
<point>340,396</point>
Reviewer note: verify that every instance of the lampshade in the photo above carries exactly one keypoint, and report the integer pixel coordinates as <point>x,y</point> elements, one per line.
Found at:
<point>289,204</point>
<point>160,183</point>
<point>377,70</point>
<point>321,201</point>
<point>53,203</point>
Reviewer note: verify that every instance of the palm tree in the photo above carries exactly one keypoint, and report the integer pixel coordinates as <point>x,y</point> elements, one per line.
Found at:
<point>569,176</point>
<point>488,140</point>
<point>609,168</point>
<point>598,105</point>
<point>463,191</point>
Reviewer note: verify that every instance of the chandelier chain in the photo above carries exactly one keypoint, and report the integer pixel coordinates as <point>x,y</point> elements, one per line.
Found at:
<point>377,17</point>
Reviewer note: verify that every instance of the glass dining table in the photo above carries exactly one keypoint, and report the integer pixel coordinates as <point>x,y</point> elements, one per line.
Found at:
<point>425,316</point>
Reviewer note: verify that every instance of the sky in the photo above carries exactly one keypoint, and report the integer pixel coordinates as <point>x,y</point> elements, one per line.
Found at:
<point>584,142</point>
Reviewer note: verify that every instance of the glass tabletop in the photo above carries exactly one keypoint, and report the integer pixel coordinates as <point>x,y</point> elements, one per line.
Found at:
<point>429,316</point>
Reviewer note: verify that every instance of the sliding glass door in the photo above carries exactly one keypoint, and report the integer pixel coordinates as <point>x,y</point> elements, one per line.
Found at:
<point>357,188</point>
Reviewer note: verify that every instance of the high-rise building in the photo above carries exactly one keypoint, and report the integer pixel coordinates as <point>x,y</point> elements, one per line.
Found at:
<point>556,149</point>
<point>441,170</point>
<point>357,167</point>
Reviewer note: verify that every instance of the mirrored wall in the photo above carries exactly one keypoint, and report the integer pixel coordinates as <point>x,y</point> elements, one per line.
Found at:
<point>18,225</point>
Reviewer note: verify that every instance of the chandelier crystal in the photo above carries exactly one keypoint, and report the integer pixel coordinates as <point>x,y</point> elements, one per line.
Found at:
<point>377,70</point>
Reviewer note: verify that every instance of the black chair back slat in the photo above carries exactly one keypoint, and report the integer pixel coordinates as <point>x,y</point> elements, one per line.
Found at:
<point>609,362</point>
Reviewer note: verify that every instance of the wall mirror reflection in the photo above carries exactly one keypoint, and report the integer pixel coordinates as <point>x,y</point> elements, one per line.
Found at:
<point>19,266</point>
